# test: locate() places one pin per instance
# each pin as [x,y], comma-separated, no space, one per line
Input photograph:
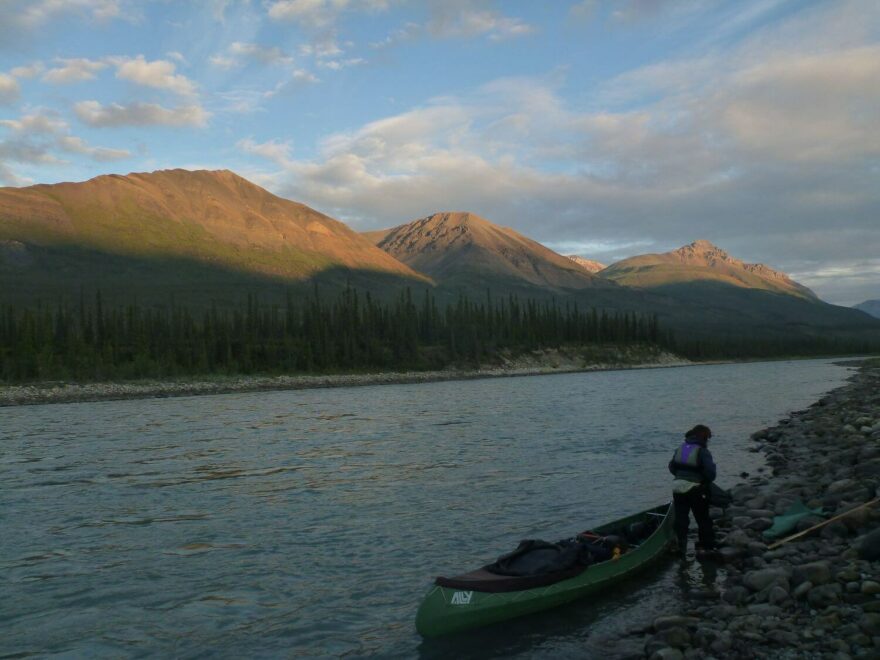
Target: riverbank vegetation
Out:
[354,332]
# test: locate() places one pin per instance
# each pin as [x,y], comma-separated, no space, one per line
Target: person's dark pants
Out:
[696,500]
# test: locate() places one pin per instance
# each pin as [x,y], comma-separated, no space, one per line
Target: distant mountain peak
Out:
[464,247]
[214,217]
[702,260]
[590,265]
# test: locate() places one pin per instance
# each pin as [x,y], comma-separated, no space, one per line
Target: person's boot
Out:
[707,554]
[678,548]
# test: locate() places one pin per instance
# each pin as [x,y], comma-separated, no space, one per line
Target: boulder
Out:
[817,572]
[869,547]
[664,622]
[762,578]
[821,597]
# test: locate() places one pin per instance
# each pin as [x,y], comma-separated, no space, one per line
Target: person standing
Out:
[694,471]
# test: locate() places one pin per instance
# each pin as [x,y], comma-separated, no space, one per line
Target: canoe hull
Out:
[446,610]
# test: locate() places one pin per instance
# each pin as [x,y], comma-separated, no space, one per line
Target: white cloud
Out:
[37,12]
[460,19]
[9,89]
[73,70]
[273,150]
[264,54]
[28,71]
[159,74]
[223,62]
[467,18]
[9,178]
[39,138]
[320,13]
[73,144]
[239,51]
[336,65]
[139,114]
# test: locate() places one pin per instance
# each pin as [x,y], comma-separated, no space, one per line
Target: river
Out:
[309,523]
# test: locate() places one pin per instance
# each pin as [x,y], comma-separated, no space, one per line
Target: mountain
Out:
[178,229]
[701,261]
[463,250]
[587,264]
[871,307]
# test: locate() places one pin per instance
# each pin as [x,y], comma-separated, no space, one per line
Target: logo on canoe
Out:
[462,597]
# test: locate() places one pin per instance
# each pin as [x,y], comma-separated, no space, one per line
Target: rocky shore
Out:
[817,596]
[535,363]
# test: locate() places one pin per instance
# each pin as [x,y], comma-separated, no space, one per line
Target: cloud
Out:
[456,19]
[34,13]
[769,139]
[73,70]
[28,71]
[39,138]
[320,13]
[159,74]
[139,114]
[460,19]
[9,89]
[240,51]
[273,150]
[9,178]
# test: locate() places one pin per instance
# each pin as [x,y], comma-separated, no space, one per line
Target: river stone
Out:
[764,609]
[802,589]
[777,595]
[762,578]
[729,553]
[825,595]
[870,623]
[664,622]
[667,653]
[739,538]
[722,645]
[817,572]
[677,637]
[760,524]
[869,548]
[782,637]
[870,587]
[735,595]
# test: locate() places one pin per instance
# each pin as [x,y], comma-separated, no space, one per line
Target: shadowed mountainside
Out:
[460,249]
[701,261]
[871,307]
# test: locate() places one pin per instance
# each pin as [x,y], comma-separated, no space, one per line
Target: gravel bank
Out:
[537,363]
[814,597]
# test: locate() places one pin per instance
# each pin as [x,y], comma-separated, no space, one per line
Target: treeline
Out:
[353,332]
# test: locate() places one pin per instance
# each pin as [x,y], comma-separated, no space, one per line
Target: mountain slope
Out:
[701,261]
[589,265]
[463,249]
[211,224]
[871,307]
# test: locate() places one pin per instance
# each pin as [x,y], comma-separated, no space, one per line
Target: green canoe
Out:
[449,609]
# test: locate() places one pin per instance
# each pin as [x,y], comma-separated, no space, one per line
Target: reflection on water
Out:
[310,523]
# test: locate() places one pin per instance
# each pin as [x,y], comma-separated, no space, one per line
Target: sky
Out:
[599,128]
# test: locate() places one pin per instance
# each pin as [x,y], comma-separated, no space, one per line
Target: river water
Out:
[309,523]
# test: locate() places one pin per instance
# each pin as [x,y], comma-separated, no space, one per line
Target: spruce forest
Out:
[88,342]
